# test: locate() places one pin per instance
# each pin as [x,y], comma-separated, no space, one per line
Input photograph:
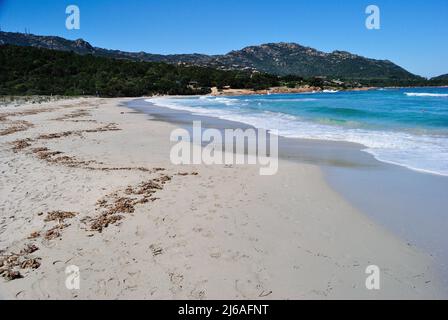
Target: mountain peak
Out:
[443,77]
[286,45]
[81,43]
[281,58]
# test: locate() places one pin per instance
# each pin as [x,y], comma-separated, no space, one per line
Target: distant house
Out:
[338,82]
[193,85]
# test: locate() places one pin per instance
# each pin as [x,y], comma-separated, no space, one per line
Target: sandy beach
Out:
[88,182]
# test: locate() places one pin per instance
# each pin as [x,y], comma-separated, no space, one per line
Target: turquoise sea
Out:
[407,127]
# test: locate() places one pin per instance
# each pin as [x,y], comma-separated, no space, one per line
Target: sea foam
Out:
[415,149]
[425,94]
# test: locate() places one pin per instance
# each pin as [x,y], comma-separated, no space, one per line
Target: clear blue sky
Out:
[413,33]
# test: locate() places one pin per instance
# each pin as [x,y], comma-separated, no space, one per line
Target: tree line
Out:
[36,71]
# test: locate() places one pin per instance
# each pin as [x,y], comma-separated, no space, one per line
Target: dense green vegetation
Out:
[33,71]
[274,58]
[441,80]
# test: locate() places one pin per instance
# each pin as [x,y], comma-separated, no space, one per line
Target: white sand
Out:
[226,233]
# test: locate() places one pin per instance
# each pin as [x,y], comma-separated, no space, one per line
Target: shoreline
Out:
[209,232]
[280,90]
[305,89]
[359,145]
[398,207]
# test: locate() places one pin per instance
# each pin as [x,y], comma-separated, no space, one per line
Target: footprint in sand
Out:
[176,280]
[215,253]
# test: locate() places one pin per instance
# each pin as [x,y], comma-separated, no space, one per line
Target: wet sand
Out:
[410,204]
